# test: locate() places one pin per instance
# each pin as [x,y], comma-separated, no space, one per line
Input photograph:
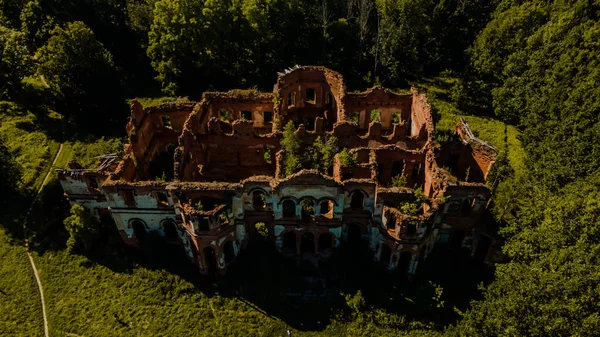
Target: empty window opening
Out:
[93,182]
[289,242]
[467,206]
[139,229]
[203,224]
[166,120]
[386,254]
[224,115]
[228,251]
[259,200]
[325,242]
[170,229]
[246,115]
[210,260]
[289,99]
[307,244]
[404,264]
[308,209]
[311,95]
[358,201]
[328,99]
[268,116]
[289,208]
[397,168]
[411,229]
[162,198]
[416,174]
[325,207]
[128,197]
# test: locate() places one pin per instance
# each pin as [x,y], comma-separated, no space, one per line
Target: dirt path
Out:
[35,271]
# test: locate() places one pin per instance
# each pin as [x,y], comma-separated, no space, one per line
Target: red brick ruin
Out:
[209,175]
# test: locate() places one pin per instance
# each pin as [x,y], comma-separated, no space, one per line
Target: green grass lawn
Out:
[20,305]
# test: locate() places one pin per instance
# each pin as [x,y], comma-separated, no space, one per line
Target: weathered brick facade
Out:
[213,153]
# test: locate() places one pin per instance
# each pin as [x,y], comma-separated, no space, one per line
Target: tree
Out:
[82,228]
[291,144]
[15,62]
[82,76]
[10,179]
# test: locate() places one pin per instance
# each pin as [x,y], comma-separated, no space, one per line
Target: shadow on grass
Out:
[304,296]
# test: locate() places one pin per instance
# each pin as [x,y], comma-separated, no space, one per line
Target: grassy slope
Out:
[33,148]
[502,136]
[20,306]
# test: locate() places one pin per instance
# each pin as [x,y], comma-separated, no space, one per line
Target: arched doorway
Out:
[289,243]
[354,233]
[228,251]
[404,262]
[210,260]
[139,229]
[386,254]
[358,201]
[170,230]
[325,242]
[307,244]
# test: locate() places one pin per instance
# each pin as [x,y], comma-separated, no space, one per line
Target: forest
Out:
[68,67]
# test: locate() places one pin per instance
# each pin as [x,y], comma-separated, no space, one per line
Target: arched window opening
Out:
[358,201]
[311,96]
[308,210]
[139,229]
[289,243]
[325,242]
[386,254]
[259,200]
[170,229]
[210,260]
[326,207]
[289,208]
[307,243]
[228,251]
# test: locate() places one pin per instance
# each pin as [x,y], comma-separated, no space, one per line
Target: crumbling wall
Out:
[360,106]
[421,125]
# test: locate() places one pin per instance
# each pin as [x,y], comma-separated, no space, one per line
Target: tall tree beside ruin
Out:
[82,228]
[82,76]
[15,62]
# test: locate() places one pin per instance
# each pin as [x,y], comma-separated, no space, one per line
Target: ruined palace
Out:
[211,176]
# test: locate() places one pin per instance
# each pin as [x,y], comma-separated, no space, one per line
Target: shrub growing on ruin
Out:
[354,118]
[399,181]
[415,206]
[291,144]
[375,115]
[82,228]
[346,159]
[262,229]
[396,118]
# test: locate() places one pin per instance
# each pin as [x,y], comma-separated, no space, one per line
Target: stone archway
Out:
[358,201]
[228,251]
[325,243]
[139,229]
[289,243]
[210,260]
[307,243]
[170,230]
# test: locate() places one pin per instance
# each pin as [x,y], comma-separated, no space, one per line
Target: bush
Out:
[346,158]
